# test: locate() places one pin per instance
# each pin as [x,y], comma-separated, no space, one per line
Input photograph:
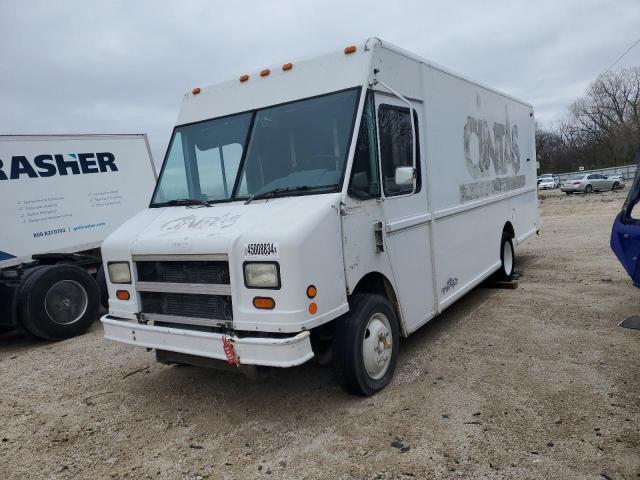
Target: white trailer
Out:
[60,196]
[323,208]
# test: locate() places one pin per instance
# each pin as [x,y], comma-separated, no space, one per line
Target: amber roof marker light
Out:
[350,49]
[196,91]
[265,72]
[287,66]
[244,78]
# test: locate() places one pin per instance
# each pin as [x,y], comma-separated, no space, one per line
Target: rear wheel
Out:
[615,186]
[57,302]
[507,258]
[366,345]
[588,189]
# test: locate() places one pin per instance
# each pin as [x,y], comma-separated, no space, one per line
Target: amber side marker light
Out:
[196,91]
[264,303]
[244,78]
[287,66]
[350,49]
[123,295]
[265,72]
[312,291]
[313,308]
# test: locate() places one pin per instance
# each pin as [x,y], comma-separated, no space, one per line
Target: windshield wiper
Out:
[180,202]
[282,190]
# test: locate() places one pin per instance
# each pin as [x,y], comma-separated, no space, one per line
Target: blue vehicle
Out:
[625,234]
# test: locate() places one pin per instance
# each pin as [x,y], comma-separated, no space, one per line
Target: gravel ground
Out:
[536,382]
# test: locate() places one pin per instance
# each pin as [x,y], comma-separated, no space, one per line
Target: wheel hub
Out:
[377,346]
[66,302]
[507,258]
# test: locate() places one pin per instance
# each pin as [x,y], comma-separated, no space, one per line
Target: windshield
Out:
[296,147]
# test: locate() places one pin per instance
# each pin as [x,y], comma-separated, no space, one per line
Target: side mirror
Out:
[404,176]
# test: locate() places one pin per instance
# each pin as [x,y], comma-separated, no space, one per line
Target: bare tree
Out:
[602,128]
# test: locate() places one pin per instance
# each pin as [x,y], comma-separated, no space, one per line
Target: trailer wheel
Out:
[366,345]
[101,280]
[507,258]
[57,302]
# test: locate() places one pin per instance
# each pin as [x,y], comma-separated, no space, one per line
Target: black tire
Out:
[588,189]
[101,281]
[68,291]
[348,357]
[615,186]
[505,273]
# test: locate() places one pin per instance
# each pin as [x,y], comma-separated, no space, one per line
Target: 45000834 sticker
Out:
[262,249]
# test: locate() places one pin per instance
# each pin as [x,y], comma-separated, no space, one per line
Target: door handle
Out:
[377,236]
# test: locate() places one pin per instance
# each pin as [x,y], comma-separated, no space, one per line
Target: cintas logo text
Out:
[57,164]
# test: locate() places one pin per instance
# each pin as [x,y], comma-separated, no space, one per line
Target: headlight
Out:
[262,275]
[119,272]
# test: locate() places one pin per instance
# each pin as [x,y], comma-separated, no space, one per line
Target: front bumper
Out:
[270,352]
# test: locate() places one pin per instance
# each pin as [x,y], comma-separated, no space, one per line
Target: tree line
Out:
[601,129]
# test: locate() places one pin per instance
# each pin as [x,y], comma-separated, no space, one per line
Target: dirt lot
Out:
[537,382]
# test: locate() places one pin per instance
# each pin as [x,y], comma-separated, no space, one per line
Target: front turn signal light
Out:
[123,295]
[264,303]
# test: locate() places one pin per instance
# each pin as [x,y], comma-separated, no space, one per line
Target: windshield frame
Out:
[233,197]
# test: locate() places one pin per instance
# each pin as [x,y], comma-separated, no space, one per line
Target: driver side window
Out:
[365,176]
[396,147]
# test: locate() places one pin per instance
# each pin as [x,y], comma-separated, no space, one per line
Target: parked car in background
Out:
[548,181]
[588,183]
[618,181]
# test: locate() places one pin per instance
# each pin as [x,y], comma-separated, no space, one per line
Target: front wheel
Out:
[507,258]
[615,186]
[366,345]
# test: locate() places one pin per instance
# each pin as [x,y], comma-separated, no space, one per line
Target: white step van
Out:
[60,197]
[323,208]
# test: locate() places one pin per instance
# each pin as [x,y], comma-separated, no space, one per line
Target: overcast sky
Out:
[123,66]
